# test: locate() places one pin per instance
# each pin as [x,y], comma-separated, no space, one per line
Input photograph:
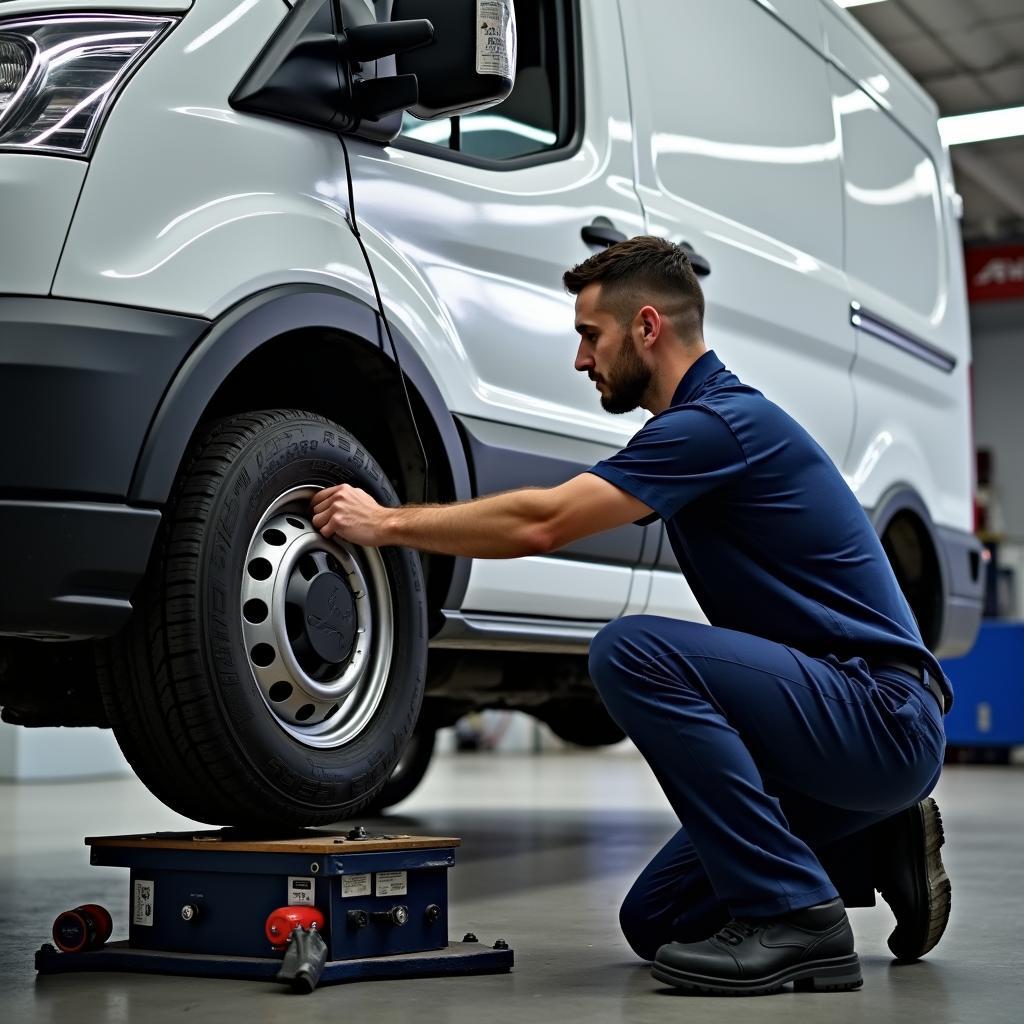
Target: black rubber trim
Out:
[79,383]
[239,333]
[961,554]
[884,330]
[70,567]
[505,457]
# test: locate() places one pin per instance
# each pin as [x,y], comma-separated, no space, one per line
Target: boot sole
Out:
[839,974]
[933,890]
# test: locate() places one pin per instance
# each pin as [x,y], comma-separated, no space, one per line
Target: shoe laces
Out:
[735,932]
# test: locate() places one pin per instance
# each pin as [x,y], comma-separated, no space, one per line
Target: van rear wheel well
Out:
[911,552]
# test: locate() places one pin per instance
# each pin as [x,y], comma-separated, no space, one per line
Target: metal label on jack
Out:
[301,891]
[142,903]
[355,885]
[392,883]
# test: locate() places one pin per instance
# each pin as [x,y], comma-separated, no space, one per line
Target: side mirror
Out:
[332,65]
[471,63]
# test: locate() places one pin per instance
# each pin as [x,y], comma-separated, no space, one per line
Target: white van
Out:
[192,343]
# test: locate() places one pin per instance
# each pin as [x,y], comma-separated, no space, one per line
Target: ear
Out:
[650,323]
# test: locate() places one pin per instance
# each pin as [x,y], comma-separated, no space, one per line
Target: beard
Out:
[628,380]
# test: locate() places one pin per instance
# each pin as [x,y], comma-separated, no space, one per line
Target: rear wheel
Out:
[585,723]
[269,677]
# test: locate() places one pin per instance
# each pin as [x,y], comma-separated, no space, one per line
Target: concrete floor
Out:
[551,845]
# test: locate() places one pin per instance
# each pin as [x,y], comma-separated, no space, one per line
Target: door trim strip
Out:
[879,327]
[514,633]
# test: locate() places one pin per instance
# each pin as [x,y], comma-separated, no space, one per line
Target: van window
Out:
[538,116]
[893,205]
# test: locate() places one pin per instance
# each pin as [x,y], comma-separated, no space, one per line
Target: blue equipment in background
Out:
[988,688]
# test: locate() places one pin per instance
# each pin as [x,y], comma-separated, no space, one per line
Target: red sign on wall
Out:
[994,272]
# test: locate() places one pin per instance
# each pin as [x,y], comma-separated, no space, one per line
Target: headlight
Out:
[58,76]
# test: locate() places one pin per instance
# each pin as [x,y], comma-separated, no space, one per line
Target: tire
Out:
[587,724]
[214,727]
[409,771]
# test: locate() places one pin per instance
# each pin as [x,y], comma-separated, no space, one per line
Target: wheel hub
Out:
[329,614]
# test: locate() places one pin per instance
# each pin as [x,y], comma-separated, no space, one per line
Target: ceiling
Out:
[969,55]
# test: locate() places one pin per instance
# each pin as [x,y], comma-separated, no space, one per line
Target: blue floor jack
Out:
[320,906]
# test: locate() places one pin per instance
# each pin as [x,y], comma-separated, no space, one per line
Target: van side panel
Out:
[904,266]
[750,176]
[912,447]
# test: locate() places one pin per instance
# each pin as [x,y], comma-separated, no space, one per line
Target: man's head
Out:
[640,317]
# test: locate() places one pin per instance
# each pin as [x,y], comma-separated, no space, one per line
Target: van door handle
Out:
[602,232]
[701,265]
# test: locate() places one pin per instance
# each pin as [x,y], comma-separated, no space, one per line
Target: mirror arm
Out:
[371,42]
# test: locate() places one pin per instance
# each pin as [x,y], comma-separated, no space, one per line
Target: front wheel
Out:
[269,676]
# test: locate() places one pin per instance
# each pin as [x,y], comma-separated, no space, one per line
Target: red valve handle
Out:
[283,921]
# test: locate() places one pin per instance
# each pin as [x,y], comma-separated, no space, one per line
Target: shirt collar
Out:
[695,377]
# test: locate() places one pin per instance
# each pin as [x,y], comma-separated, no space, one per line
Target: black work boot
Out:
[812,948]
[909,874]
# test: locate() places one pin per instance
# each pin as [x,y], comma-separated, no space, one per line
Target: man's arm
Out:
[531,521]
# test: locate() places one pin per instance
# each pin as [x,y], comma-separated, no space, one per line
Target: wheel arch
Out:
[904,525]
[314,347]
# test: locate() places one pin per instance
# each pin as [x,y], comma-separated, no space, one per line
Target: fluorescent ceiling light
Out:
[856,3]
[988,124]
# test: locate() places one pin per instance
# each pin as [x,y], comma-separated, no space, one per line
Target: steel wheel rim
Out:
[293,638]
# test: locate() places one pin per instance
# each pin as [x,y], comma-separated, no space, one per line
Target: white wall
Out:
[40,754]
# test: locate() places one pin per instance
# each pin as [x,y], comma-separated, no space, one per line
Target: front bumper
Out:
[70,567]
[80,383]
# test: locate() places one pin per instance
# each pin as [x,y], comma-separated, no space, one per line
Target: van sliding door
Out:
[738,155]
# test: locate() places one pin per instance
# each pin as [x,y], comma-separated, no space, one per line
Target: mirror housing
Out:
[471,63]
[332,65]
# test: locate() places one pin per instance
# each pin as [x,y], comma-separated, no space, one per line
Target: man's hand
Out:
[349,514]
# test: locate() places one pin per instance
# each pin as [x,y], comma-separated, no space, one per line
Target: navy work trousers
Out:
[775,763]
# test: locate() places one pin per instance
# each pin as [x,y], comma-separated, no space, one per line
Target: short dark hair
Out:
[641,271]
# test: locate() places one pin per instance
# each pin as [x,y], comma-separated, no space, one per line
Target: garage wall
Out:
[998,339]
[42,754]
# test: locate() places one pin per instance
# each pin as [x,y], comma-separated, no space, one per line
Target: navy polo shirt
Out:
[765,529]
